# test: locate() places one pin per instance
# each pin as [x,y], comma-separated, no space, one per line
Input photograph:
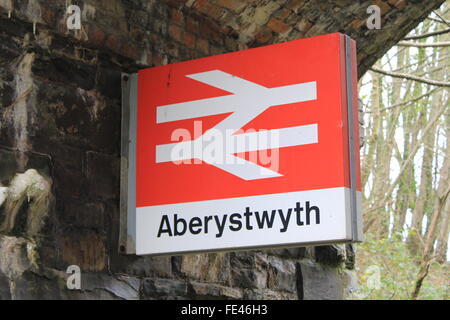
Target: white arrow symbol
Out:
[247,102]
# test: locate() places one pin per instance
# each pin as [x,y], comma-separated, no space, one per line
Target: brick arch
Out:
[261,22]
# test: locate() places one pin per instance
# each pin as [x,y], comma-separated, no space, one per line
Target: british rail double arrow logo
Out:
[247,101]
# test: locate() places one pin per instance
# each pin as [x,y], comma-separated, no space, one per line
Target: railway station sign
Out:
[250,149]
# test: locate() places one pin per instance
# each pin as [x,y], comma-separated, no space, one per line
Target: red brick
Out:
[130,51]
[283,14]
[96,36]
[295,4]
[149,59]
[158,61]
[206,7]
[48,15]
[202,45]
[231,44]
[400,4]
[264,36]
[356,24]
[176,17]
[176,33]
[87,250]
[112,43]
[278,26]
[153,36]
[384,7]
[304,26]
[192,25]
[138,35]
[234,5]
[189,40]
[210,32]
[216,50]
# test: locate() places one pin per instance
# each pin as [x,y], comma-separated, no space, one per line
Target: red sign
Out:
[294,94]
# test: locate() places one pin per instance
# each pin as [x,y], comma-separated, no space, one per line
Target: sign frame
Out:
[127,232]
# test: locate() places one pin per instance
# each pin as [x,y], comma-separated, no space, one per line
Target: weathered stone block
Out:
[103,286]
[248,259]
[350,256]
[102,174]
[17,255]
[84,248]
[203,291]
[9,50]
[9,166]
[31,286]
[267,294]
[213,267]
[60,70]
[14,28]
[249,269]
[249,278]
[332,255]
[321,282]
[164,288]
[109,81]
[159,267]
[5,293]
[75,117]
[293,253]
[83,214]
[282,275]
[26,199]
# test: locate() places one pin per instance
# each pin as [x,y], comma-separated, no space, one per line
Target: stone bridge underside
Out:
[60,106]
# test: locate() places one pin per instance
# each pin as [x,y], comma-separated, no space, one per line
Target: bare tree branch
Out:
[412,77]
[423,45]
[407,161]
[442,19]
[426,35]
[437,20]
[407,102]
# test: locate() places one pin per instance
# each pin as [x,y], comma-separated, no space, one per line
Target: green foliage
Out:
[397,270]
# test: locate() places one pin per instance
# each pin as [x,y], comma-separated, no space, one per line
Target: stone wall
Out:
[60,106]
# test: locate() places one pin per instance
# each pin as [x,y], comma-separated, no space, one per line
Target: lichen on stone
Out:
[32,188]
